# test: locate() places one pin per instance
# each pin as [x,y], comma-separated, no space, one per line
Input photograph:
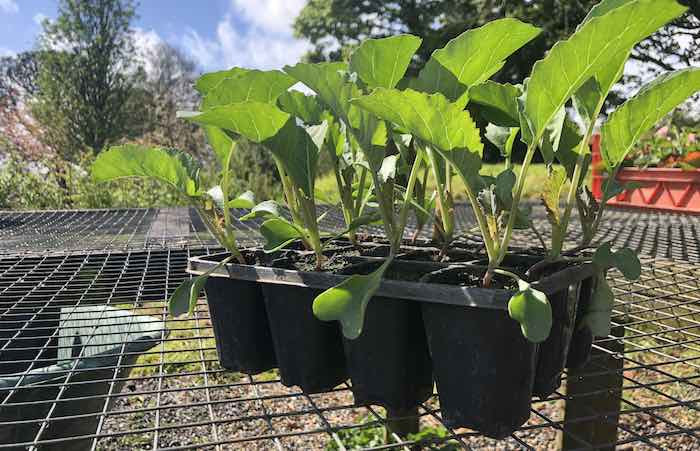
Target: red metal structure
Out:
[669,189]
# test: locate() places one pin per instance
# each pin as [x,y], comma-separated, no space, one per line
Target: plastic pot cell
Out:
[241,330]
[484,368]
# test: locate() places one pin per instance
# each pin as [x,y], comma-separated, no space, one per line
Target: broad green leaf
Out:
[531,309]
[131,160]
[256,121]
[604,7]
[328,81]
[306,108]
[570,63]
[298,148]
[638,114]
[498,103]
[207,81]
[348,301]
[278,233]
[222,144]
[502,137]
[254,86]
[429,117]
[264,209]
[473,57]
[625,260]
[597,316]
[244,200]
[383,62]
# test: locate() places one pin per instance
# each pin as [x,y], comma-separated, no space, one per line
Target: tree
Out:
[167,88]
[87,74]
[334,27]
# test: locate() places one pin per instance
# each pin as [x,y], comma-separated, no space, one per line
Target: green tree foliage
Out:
[87,73]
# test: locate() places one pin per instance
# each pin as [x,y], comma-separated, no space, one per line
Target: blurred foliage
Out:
[58,185]
[669,146]
[86,77]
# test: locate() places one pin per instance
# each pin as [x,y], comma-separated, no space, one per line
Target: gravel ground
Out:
[292,415]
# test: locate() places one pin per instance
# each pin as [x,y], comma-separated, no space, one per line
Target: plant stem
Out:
[360,192]
[289,193]
[214,229]
[446,216]
[514,206]
[601,207]
[403,216]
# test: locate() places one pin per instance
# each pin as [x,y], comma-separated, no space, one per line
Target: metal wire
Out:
[176,396]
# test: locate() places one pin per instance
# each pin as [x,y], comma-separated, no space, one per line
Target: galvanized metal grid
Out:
[177,396]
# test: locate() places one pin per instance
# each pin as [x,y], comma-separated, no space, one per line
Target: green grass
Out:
[327,190]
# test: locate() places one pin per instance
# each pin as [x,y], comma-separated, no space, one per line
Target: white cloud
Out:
[269,15]
[9,6]
[39,18]
[6,52]
[260,38]
[145,45]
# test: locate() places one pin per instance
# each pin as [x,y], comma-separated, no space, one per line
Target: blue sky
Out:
[215,33]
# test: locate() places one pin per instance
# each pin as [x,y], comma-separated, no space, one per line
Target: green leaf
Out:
[221,142]
[531,309]
[207,81]
[501,137]
[625,260]
[565,154]
[279,233]
[348,301]
[298,150]
[570,63]
[551,194]
[383,62]
[328,81]
[184,298]
[388,170]
[586,101]
[264,209]
[498,103]
[306,108]
[550,141]
[131,160]
[431,118]
[253,85]
[244,200]
[256,121]
[473,57]
[638,114]
[597,316]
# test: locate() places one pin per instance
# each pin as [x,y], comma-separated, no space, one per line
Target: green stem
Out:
[289,193]
[514,206]
[446,215]
[222,238]
[601,207]
[403,215]
[360,192]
